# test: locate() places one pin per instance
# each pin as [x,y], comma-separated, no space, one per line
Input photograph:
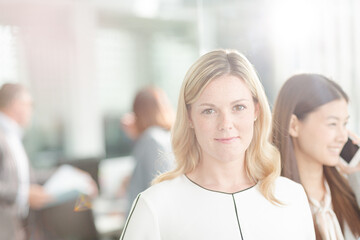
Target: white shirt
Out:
[13,135]
[179,209]
[326,219]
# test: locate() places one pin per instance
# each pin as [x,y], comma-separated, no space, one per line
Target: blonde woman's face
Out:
[223,119]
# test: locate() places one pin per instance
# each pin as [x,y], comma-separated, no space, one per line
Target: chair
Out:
[62,222]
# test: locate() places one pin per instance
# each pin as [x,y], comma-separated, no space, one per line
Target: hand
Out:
[38,197]
[355,139]
[343,167]
[129,126]
[346,169]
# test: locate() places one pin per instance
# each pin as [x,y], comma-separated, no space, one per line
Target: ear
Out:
[294,126]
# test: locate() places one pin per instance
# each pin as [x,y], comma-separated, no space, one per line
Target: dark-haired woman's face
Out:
[322,134]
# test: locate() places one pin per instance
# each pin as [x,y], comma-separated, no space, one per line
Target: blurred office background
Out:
[83,60]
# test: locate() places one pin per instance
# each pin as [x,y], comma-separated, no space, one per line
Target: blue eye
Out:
[208,111]
[239,107]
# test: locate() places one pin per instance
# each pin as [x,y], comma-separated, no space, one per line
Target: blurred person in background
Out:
[309,128]
[18,192]
[226,183]
[149,125]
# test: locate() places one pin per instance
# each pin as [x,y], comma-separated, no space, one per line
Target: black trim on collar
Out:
[219,191]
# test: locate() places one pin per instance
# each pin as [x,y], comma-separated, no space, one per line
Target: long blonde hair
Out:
[262,159]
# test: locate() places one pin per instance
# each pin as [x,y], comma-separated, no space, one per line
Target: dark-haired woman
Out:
[309,128]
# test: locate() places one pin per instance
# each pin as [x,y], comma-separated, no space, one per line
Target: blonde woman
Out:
[226,184]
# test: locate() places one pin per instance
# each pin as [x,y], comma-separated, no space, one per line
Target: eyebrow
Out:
[337,118]
[233,102]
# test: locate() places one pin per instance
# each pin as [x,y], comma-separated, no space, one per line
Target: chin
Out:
[333,162]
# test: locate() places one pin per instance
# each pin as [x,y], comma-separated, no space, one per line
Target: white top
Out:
[179,209]
[326,219]
[13,134]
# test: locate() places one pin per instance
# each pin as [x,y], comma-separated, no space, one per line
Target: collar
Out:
[325,204]
[325,217]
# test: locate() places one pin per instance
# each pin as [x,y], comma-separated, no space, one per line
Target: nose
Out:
[342,134]
[225,122]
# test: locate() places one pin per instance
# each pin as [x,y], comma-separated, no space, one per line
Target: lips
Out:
[227,140]
[335,150]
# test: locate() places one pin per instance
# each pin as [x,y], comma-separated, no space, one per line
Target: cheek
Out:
[319,135]
[203,127]
[313,140]
[245,124]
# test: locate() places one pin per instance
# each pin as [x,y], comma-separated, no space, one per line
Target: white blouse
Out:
[326,219]
[179,209]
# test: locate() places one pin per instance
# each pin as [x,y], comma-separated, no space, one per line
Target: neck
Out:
[225,176]
[311,177]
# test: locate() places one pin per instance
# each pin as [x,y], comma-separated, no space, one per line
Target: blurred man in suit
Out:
[18,193]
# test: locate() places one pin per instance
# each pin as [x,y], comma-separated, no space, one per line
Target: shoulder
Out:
[159,195]
[154,140]
[165,188]
[156,198]
[286,184]
[152,206]
[155,135]
[288,190]
[295,206]
[155,131]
